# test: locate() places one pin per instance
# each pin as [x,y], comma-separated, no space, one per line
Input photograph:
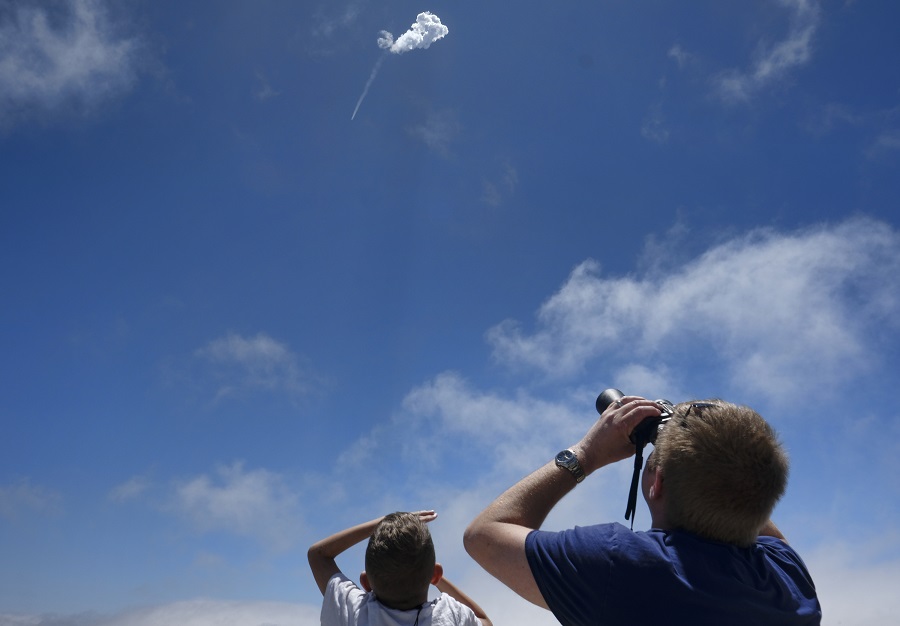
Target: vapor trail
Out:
[368,84]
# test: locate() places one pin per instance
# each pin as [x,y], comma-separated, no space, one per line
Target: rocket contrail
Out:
[426,30]
[368,84]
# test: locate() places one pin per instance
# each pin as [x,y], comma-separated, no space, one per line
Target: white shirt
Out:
[345,604]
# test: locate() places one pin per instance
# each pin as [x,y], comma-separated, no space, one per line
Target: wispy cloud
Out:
[241,364]
[857,583]
[784,311]
[22,497]
[495,190]
[199,612]
[831,116]
[61,57]
[327,26]
[250,503]
[265,91]
[653,127]
[129,490]
[773,62]
[682,57]
[888,141]
[438,131]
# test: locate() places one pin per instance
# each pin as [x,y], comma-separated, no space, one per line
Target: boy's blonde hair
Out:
[723,470]
[400,561]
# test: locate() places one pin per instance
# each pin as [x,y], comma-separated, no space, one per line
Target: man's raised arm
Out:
[496,538]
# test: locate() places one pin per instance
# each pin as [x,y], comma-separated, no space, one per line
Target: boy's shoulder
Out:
[448,611]
[344,600]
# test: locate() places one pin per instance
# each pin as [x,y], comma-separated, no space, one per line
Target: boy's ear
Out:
[438,573]
[364,581]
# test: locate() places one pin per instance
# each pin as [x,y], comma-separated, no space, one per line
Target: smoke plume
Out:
[425,30]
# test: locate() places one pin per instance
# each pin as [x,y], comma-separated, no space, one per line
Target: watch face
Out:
[566,457]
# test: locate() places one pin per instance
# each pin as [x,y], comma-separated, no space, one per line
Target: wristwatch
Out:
[567,460]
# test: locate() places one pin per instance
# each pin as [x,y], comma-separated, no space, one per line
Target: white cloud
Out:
[779,312]
[199,612]
[856,585]
[887,141]
[438,131]
[774,62]
[242,364]
[497,189]
[327,25]
[681,56]
[653,127]
[251,503]
[22,497]
[130,489]
[265,91]
[54,61]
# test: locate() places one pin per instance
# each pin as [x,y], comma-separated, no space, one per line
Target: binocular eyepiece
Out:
[646,431]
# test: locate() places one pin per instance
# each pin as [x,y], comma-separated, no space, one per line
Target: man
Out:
[712,555]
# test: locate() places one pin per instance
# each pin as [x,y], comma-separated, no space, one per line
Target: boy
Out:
[400,566]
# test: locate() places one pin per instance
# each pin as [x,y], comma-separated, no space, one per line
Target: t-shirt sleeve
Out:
[789,562]
[572,569]
[341,601]
[448,611]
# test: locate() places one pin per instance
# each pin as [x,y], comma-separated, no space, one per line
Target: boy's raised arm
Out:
[321,554]
[445,586]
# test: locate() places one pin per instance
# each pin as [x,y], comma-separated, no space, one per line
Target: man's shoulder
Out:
[609,533]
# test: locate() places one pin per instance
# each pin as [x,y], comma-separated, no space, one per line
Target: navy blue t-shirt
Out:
[608,574]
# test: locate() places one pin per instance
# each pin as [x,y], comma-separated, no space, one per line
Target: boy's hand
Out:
[426,516]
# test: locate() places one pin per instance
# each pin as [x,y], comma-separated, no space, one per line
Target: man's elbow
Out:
[473,540]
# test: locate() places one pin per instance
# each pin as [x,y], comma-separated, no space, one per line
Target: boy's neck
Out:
[405,606]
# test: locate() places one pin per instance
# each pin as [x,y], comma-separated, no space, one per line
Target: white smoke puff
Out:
[426,30]
[385,40]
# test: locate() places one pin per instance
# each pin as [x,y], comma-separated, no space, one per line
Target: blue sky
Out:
[235,321]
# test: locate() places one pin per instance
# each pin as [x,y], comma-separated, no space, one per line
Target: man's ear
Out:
[656,488]
[364,581]
[438,573]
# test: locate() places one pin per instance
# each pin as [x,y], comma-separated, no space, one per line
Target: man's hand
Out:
[607,441]
[496,538]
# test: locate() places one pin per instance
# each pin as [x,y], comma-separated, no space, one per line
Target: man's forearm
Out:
[496,538]
[529,501]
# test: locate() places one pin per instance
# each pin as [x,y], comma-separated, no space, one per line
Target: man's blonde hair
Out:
[723,470]
[400,561]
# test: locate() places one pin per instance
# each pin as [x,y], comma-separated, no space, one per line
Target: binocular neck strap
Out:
[635,478]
